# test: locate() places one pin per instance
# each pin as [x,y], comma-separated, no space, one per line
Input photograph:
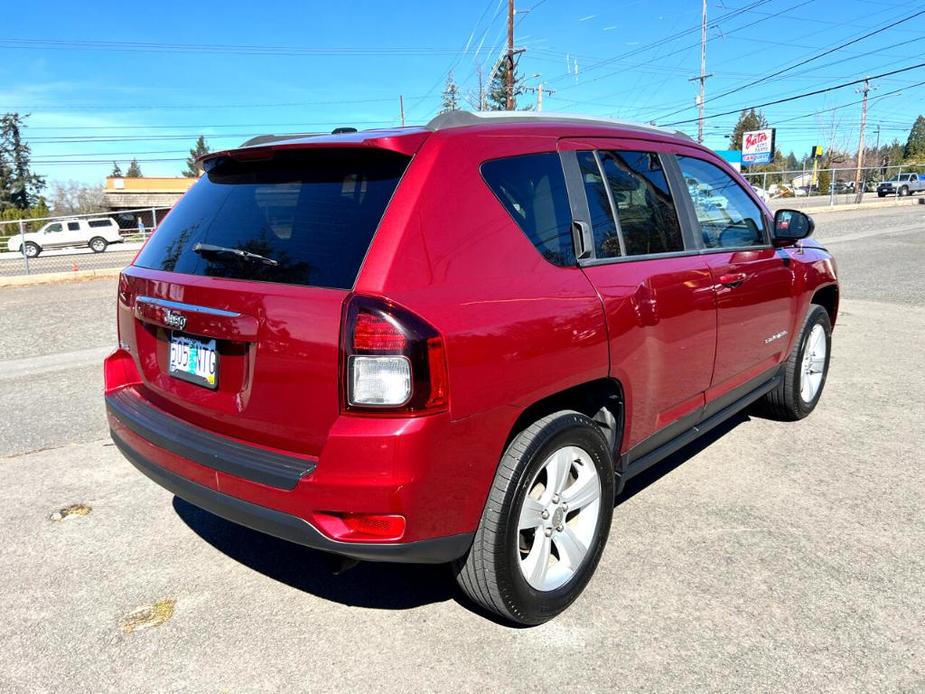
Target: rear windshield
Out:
[301,217]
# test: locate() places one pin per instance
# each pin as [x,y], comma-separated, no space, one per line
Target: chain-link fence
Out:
[837,186]
[70,243]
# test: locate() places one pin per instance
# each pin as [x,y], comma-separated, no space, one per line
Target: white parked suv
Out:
[96,234]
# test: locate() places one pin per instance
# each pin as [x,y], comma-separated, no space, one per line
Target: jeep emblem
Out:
[174,319]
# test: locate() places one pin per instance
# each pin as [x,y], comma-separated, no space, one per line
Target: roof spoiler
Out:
[458,119]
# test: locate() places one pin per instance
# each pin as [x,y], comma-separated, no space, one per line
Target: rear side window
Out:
[532,189]
[96,223]
[73,226]
[300,217]
[727,215]
[603,227]
[645,209]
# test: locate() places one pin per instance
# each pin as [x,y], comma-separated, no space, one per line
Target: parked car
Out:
[456,343]
[841,187]
[902,185]
[95,234]
[762,193]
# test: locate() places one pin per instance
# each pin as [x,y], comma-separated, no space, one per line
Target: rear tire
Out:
[31,250]
[804,372]
[98,244]
[532,556]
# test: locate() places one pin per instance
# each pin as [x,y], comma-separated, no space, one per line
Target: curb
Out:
[59,277]
[813,210]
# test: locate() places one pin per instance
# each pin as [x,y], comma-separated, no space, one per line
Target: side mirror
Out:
[792,225]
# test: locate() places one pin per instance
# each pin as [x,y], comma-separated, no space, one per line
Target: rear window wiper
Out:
[207,248]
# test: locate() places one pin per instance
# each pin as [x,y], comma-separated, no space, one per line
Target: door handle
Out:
[732,279]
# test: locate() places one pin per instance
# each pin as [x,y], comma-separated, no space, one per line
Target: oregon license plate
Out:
[193,360]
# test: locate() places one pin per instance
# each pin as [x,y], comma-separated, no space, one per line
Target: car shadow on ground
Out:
[641,481]
[368,584]
[379,585]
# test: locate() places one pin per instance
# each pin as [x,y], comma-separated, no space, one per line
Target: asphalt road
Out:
[768,557]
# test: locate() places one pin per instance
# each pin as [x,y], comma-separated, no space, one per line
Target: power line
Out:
[664,40]
[800,96]
[802,62]
[157,47]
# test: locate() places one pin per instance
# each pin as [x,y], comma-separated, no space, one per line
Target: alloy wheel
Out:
[558,518]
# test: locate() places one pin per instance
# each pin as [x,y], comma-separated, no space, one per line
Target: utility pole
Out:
[703,71]
[401,105]
[540,90]
[509,105]
[858,187]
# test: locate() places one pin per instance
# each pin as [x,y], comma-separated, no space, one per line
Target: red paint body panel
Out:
[516,329]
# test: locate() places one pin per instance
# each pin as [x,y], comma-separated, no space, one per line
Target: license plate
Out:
[193,360]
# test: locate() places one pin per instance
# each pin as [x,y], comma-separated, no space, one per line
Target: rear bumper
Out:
[283,495]
[292,528]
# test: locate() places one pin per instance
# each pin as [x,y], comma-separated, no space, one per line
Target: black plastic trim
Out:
[288,527]
[636,461]
[217,452]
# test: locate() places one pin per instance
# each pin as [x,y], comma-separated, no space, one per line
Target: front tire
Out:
[545,523]
[804,372]
[31,250]
[98,244]
[903,192]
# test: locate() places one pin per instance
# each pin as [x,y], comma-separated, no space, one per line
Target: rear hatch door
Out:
[233,308]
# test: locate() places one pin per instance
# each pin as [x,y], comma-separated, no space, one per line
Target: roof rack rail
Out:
[268,139]
[459,119]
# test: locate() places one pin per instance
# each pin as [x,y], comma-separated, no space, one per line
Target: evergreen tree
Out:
[748,120]
[134,170]
[915,145]
[791,163]
[19,186]
[497,88]
[116,170]
[450,95]
[201,149]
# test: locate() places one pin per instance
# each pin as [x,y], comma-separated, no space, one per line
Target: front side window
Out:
[532,189]
[727,215]
[53,228]
[645,209]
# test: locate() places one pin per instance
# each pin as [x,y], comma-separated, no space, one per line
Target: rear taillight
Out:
[393,360]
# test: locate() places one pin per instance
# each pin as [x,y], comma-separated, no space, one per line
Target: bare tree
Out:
[73,197]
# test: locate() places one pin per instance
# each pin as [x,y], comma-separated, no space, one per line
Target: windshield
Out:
[312,212]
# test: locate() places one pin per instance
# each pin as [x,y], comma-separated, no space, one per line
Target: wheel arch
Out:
[828,298]
[602,400]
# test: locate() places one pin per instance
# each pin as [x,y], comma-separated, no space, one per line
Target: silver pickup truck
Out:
[902,185]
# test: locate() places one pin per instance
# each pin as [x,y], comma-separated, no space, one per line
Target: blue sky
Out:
[107,80]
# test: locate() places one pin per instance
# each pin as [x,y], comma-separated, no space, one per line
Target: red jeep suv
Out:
[455,343]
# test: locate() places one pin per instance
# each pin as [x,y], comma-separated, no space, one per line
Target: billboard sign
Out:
[758,147]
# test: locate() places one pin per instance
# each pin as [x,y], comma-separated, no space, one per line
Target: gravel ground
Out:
[767,557]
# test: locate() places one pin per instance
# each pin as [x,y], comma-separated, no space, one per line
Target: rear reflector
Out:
[361,527]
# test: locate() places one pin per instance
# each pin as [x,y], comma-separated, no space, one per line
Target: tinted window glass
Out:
[603,227]
[54,227]
[532,190]
[648,220]
[73,226]
[100,223]
[728,217]
[311,213]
